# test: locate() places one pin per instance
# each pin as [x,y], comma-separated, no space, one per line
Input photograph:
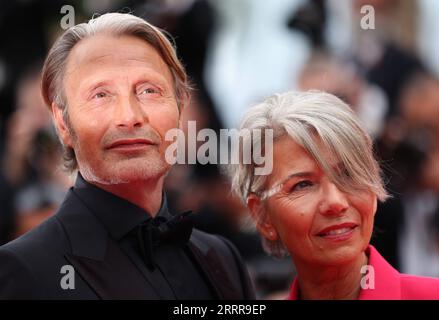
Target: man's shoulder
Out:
[52,235]
[36,254]
[220,249]
[44,244]
[222,258]
[31,265]
[47,235]
[206,241]
[28,261]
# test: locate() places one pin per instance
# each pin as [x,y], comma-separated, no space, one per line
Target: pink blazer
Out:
[389,283]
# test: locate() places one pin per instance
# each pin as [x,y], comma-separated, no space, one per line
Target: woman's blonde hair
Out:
[305,116]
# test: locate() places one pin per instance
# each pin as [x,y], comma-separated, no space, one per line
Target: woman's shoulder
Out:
[390,284]
[417,287]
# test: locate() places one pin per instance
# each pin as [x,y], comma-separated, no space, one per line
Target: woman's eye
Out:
[301,185]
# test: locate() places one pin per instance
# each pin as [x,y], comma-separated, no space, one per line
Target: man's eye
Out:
[148,91]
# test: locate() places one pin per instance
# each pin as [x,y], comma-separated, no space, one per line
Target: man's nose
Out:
[333,200]
[129,113]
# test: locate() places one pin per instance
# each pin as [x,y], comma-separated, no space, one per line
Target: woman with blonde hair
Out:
[319,201]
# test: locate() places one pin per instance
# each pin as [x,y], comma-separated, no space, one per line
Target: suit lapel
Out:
[154,278]
[113,273]
[114,277]
[98,260]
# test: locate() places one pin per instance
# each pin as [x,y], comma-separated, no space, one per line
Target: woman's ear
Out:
[262,218]
[60,125]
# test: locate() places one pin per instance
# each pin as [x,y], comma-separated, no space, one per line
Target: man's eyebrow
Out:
[95,59]
[95,84]
[150,79]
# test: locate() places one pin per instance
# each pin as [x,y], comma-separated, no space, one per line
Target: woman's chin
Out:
[335,256]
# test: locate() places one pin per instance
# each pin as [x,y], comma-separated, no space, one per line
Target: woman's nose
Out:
[333,200]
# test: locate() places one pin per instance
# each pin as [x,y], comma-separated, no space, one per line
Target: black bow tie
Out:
[156,231]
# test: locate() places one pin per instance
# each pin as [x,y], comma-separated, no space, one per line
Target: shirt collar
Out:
[119,216]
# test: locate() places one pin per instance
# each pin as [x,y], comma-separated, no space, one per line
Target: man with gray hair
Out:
[115,86]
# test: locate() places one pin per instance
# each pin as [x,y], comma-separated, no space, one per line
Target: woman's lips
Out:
[338,232]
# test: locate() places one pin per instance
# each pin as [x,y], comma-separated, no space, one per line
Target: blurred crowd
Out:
[237,52]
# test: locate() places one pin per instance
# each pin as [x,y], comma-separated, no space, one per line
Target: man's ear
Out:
[60,125]
[180,122]
[262,218]
[183,105]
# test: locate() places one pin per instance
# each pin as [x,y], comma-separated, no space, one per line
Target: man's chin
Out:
[125,175]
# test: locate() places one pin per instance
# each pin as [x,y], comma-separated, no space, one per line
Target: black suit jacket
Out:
[30,266]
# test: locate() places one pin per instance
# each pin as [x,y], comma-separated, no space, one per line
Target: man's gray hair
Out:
[116,24]
[305,116]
